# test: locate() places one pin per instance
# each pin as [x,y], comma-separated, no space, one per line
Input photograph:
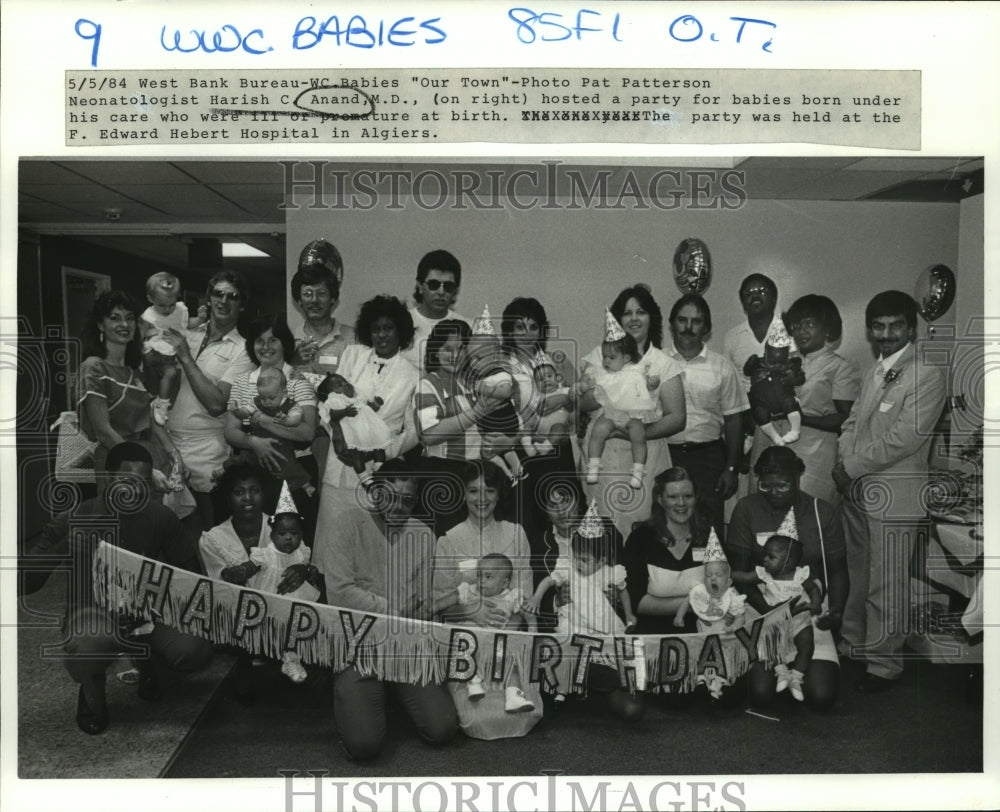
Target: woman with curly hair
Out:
[386,381]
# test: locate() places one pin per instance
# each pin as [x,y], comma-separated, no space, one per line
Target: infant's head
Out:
[615,354]
[781,554]
[286,532]
[271,383]
[163,290]
[590,552]
[546,378]
[718,578]
[494,572]
[334,384]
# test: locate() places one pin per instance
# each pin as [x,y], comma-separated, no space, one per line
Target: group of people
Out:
[532,492]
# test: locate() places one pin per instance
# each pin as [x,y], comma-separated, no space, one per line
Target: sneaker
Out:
[795,684]
[783,676]
[294,670]
[516,701]
[593,466]
[160,408]
[558,701]
[476,691]
[635,481]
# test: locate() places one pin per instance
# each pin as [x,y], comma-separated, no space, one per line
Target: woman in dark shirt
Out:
[664,555]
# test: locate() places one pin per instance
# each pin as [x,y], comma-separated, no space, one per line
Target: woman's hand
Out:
[293,577]
[830,620]
[532,604]
[340,414]
[239,573]
[493,614]
[801,604]
[268,453]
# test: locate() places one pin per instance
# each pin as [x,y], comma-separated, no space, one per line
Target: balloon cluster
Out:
[692,266]
[323,253]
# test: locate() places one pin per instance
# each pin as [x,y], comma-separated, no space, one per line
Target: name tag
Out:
[698,554]
[329,360]
[885,406]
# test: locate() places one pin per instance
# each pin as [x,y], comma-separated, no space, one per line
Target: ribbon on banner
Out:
[402,649]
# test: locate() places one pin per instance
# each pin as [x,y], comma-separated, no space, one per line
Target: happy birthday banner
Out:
[417,651]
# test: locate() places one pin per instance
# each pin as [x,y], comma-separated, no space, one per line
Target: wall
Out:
[575,262]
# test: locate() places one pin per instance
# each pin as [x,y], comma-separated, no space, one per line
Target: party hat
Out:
[612,329]
[483,325]
[777,337]
[788,527]
[714,552]
[591,527]
[542,359]
[285,502]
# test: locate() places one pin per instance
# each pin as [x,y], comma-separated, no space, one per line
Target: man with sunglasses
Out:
[439,276]
[211,357]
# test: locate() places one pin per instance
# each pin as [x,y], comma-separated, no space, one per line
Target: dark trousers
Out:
[704,463]
[94,643]
[359,708]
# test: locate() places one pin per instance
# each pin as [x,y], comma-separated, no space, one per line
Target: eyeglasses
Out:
[225,295]
[754,289]
[776,487]
[434,284]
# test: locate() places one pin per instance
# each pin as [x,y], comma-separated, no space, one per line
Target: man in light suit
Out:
[883,457]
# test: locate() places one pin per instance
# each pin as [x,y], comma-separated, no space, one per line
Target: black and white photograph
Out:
[698,275]
[430,406]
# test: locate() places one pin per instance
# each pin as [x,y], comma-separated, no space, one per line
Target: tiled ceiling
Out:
[163,203]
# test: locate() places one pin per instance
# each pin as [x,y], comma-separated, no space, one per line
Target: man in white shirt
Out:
[211,357]
[884,451]
[439,276]
[709,446]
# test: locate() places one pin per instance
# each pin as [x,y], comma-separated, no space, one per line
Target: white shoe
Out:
[593,466]
[795,684]
[160,408]
[784,677]
[635,481]
[294,671]
[516,701]
[476,691]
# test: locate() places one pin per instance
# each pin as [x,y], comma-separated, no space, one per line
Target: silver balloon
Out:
[692,266]
[935,292]
[323,253]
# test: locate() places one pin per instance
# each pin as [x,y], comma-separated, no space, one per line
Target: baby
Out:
[490,378]
[715,601]
[773,379]
[592,577]
[781,579]
[494,573]
[267,565]
[626,397]
[548,429]
[272,399]
[164,313]
[357,433]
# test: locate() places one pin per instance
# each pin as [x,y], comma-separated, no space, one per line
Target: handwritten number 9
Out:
[94,33]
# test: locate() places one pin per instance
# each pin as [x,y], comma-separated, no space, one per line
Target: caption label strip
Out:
[844,107]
